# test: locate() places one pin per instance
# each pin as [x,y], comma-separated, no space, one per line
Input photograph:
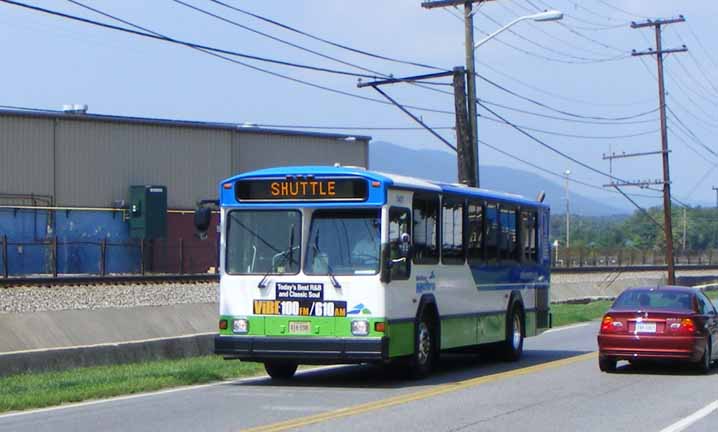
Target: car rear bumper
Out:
[307,350]
[633,347]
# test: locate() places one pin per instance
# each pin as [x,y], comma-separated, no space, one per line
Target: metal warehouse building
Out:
[63,175]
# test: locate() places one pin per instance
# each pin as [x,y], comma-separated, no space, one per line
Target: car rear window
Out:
[654,299]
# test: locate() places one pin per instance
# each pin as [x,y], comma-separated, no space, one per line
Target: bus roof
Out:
[388,179]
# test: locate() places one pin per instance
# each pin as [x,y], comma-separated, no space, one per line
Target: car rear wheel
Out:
[280,370]
[705,364]
[606,364]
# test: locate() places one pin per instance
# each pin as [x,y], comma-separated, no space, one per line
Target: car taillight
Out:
[609,324]
[606,323]
[688,326]
[681,325]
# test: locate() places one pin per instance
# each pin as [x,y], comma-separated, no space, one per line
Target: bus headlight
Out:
[240,326]
[360,328]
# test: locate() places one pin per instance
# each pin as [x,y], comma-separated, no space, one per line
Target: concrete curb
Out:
[106,354]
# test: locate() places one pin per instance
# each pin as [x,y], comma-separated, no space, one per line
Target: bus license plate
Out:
[645,327]
[299,327]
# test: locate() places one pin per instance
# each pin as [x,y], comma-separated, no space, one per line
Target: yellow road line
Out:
[424,394]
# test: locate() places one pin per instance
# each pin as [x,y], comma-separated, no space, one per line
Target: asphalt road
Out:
[556,387]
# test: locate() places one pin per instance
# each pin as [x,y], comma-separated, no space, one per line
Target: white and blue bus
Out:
[323,265]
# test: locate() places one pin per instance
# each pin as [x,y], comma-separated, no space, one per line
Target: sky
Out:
[572,85]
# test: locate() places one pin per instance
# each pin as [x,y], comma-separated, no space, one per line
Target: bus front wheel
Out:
[280,370]
[422,361]
[513,346]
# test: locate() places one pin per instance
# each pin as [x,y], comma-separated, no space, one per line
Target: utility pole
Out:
[659,52]
[716,189]
[471,178]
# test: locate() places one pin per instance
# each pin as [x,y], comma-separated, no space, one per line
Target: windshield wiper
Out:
[287,253]
[330,272]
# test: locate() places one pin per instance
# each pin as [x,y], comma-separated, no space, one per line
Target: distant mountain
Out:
[441,166]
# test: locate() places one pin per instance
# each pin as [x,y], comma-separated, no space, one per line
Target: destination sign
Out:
[309,189]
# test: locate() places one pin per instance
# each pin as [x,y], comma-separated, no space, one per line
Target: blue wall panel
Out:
[79,234]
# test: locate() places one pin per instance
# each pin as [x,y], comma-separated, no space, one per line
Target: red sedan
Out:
[669,322]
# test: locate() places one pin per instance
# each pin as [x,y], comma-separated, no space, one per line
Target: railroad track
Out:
[633,268]
[107,280]
[194,278]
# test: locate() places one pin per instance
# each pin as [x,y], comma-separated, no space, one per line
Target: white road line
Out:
[568,327]
[105,344]
[156,393]
[685,422]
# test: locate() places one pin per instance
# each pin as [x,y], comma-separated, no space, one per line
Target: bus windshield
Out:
[344,243]
[263,242]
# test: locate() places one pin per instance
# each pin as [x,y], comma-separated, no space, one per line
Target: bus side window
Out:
[508,238]
[399,226]
[426,233]
[492,233]
[528,236]
[452,233]
[475,232]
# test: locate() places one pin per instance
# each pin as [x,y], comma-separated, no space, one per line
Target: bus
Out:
[332,265]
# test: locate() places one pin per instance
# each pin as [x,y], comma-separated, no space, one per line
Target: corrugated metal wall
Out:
[263,151]
[96,161]
[26,155]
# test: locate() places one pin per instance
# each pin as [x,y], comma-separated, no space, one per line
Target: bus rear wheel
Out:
[280,370]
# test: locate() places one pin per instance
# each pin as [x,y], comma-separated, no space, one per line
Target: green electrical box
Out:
[148,212]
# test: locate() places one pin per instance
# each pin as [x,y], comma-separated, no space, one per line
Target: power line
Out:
[537,55]
[582,36]
[326,41]
[593,137]
[274,38]
[548,34]
[212,52]
[542,169]
[566,113]
[549,49]
[185,43]
[556,95]
[631,14]
[594,26]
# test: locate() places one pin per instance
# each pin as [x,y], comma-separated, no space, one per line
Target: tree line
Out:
[697,225]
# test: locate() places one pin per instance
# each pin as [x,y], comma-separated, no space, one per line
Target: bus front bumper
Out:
[307,350]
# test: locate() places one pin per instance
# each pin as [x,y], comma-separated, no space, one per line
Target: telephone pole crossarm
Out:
[628,155]
[405,79]
[445,3]
[641,184]
[657,22]
[654,52]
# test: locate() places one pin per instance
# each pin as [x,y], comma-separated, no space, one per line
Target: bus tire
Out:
[513,345]
[280,370]
[422,361]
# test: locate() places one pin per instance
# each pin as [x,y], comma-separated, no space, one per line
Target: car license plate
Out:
[300,327]
[645,327]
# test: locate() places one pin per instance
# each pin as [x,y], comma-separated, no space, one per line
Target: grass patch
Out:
[37,390]
[565,314]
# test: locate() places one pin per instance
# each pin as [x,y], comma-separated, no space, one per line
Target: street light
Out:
[568,212]
[551,15]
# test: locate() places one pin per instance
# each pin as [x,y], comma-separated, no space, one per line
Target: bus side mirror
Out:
[202,219]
